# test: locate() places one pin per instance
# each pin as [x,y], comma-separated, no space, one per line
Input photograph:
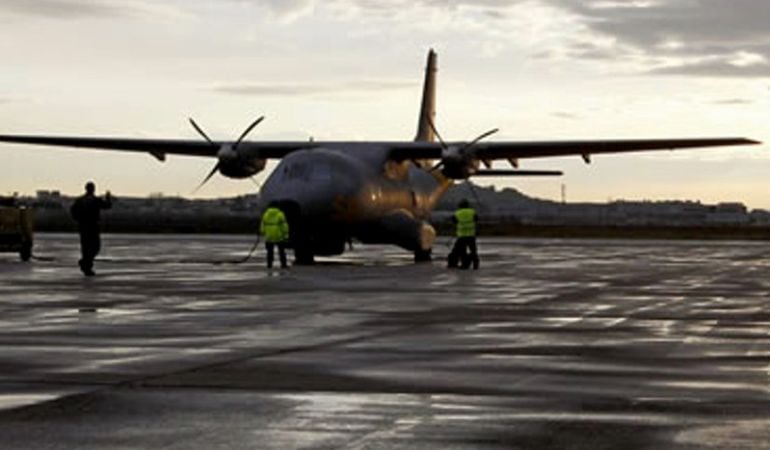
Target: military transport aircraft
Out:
[375,192]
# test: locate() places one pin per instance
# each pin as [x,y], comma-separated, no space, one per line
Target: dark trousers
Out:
[281,253]
[464,252]
[90,244]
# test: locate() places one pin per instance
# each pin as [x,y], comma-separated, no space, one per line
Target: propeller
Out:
[208,177]
[224,151]
[201,132]
[464,151]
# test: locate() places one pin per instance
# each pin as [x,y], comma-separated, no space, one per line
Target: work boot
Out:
[451,261]
[86,268]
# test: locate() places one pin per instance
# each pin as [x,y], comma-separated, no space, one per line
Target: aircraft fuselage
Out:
[332,195]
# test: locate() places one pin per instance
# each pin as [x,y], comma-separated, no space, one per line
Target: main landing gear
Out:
[423,256]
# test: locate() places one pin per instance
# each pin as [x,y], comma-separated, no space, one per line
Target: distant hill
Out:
[511,206]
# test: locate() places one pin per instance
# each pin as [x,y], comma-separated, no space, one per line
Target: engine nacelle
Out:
[241,168]
[400,228]
[458,165]
[233,164]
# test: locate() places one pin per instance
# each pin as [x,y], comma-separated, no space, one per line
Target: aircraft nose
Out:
[311,182]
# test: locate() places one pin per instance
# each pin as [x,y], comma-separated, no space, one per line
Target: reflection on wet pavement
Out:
[553,344]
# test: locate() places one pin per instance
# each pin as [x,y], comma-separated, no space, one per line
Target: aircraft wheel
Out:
[26,252]
[421,256]
[303,257]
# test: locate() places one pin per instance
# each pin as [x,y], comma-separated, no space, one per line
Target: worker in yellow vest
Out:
[464,250]
[275,229]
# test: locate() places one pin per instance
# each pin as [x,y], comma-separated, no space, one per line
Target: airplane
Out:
[377,192]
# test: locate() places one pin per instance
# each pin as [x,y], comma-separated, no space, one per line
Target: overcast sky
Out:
[351,69]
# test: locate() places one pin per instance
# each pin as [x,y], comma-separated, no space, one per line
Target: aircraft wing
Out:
[397,150]
[158,147]
[541,149]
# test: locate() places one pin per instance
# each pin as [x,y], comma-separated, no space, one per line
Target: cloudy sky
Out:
[351,69]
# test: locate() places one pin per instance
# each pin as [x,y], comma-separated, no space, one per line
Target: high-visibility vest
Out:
[274,227]
[466,222]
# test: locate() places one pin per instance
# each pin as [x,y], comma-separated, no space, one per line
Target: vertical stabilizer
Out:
[428,108]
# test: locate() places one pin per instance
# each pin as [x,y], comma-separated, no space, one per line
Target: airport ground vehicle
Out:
[16,225]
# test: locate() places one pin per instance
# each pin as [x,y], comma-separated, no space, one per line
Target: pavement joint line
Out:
[140,382]
[267,354]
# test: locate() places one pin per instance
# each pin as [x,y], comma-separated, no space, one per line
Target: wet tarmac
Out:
[552,344]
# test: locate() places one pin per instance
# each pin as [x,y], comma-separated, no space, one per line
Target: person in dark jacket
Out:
[86,211]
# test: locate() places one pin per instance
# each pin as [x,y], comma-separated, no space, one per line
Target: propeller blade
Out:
[201,132]
[208,177]
[482,136]
[247,131]
[435,131]
[438,166]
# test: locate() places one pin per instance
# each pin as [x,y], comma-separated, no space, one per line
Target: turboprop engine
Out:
[235,165]
[402,229]
[230,162]
[459,162]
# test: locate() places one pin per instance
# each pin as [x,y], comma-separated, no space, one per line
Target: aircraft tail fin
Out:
[428,108]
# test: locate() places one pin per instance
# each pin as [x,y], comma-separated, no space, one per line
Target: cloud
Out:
[286,10]
[75,9]
[662,37]
[715,68]
[565,115]
[297,89]
[733,101]
[290,10]
[678,31]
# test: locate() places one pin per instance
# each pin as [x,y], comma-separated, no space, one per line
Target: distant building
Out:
[507,206]
[760,217]
[512,206]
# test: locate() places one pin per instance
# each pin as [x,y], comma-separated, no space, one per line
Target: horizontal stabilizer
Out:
[518,173]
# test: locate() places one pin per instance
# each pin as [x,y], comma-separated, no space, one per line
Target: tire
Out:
[303,256]
[26,251]
[423,256]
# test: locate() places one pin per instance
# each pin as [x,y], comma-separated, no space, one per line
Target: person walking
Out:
[275,229]
[86,211]
[464,250]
